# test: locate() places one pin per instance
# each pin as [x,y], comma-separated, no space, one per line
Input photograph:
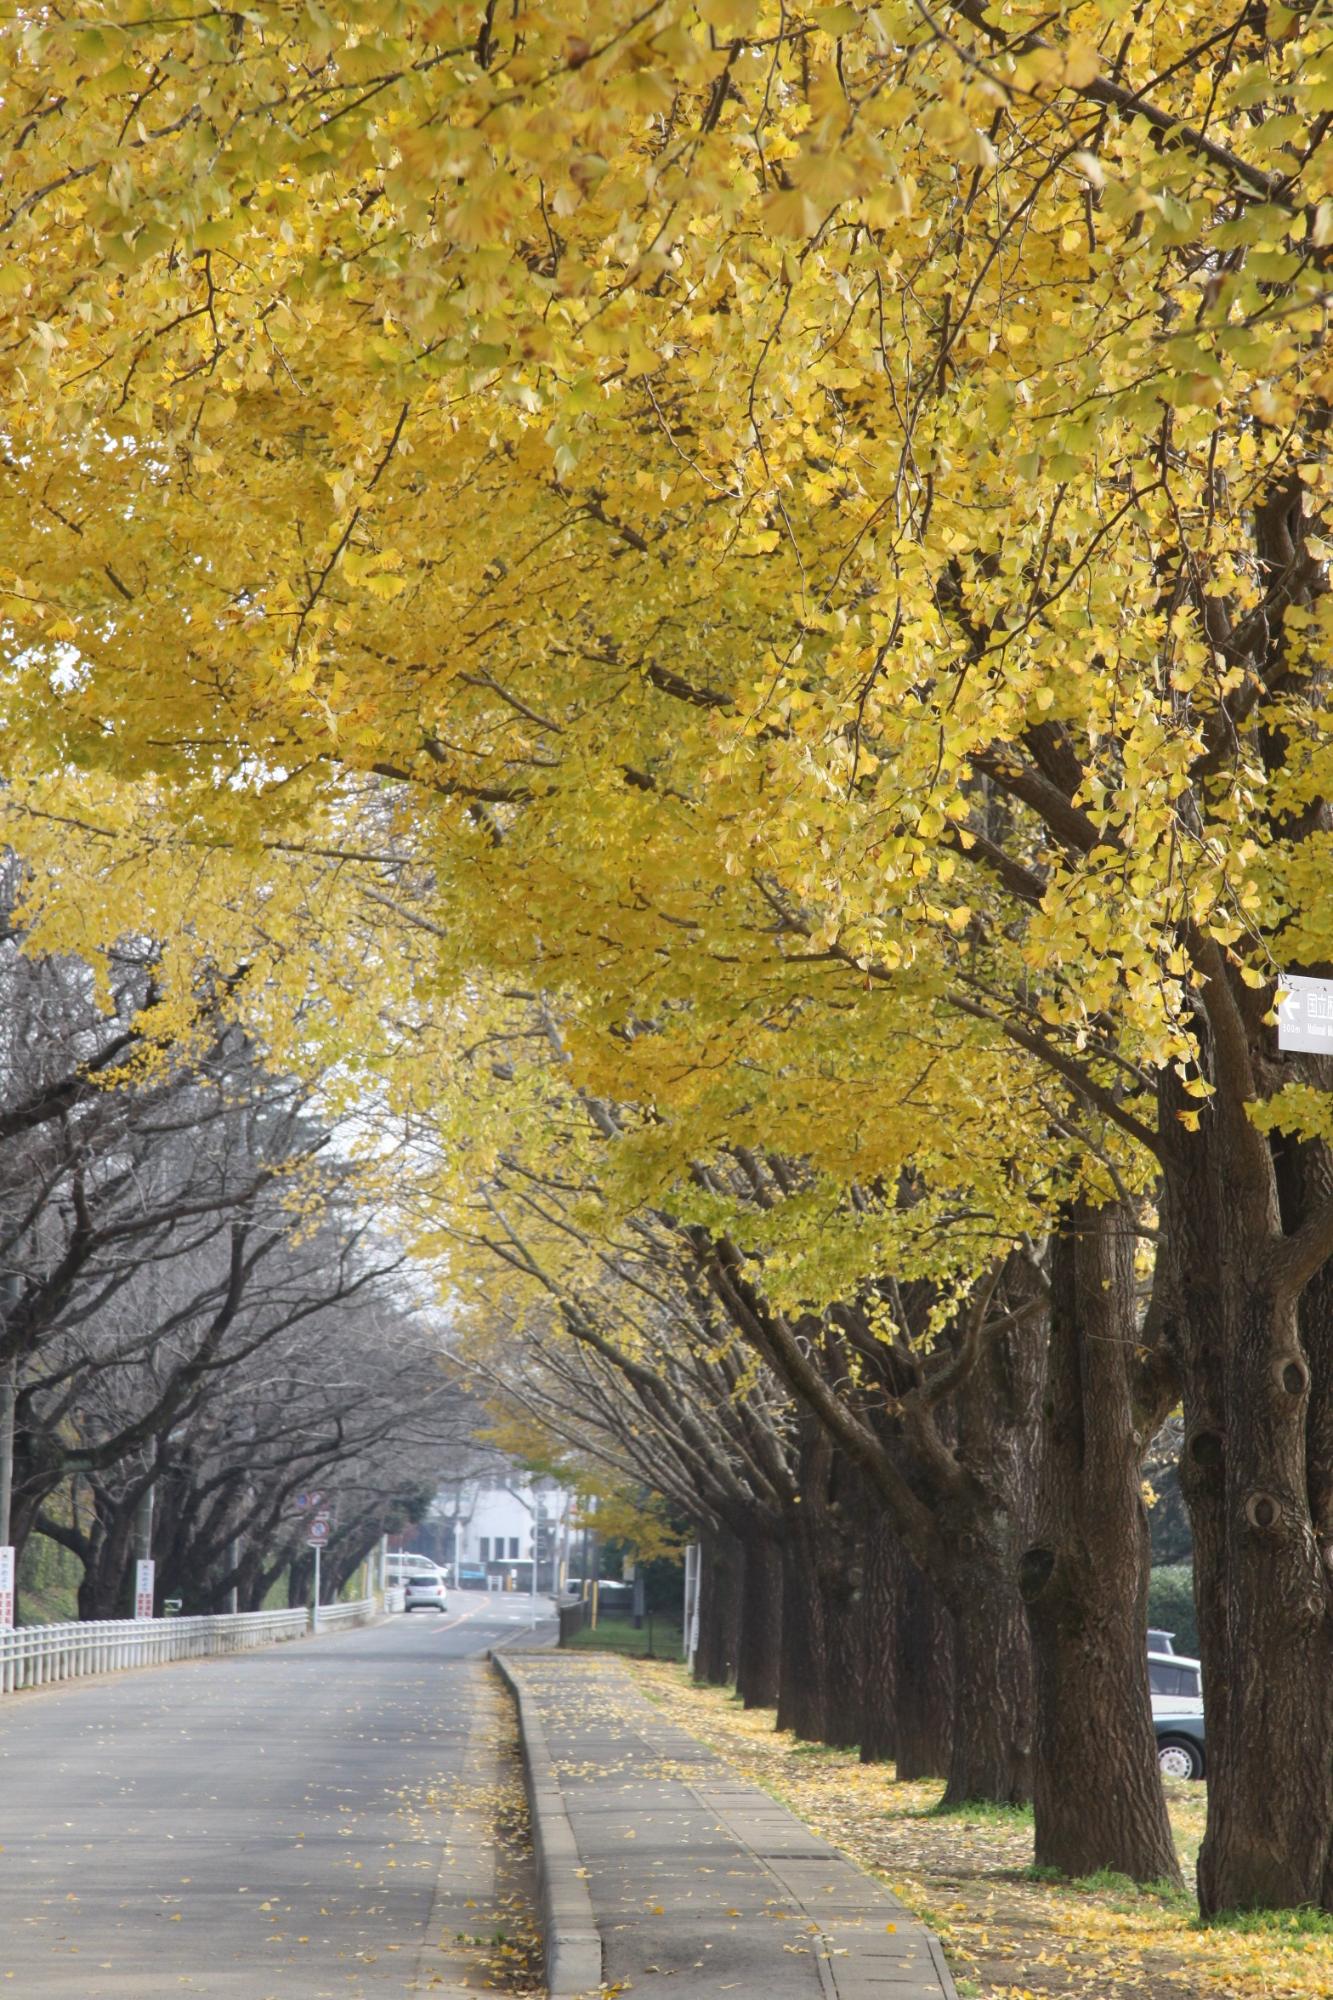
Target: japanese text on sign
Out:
[1305,1014]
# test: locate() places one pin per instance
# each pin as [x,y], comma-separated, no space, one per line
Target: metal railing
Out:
[38,1655]
[575,1613]
[337,1617]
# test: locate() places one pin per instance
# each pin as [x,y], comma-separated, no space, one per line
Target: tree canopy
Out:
[781,550]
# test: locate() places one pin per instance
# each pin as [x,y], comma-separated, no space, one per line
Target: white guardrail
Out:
[37,1655]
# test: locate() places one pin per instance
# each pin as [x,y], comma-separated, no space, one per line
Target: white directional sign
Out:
[1305,1014]
[6,1589]
[144,1573]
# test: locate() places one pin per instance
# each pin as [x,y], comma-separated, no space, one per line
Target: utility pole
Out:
[560,1582]
[143,1525]
[8,1399]
[9,1297]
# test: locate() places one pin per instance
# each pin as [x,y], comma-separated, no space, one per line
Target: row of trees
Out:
[201,1307]
[787,548]
[924,1501]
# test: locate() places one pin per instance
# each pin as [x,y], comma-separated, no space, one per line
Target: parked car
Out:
[424,1590]
[1180,1751]
[1173,1677]
[471,1576]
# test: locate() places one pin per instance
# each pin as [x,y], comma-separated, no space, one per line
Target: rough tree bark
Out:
[876,1630]
[1085,1576]
[1257,1474]
[961,1506]
[991,1752]
[803,1667]
[841,1525]
[983,1521]
[107,1581]
[760,1646]
[735,1587]
[923,1675]
[718,1584]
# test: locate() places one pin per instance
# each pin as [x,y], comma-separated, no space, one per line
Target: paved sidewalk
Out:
[539,1638]
[698,1878]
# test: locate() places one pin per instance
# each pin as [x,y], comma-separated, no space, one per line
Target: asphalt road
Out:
[309,1820]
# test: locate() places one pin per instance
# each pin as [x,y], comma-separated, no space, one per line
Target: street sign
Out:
[1305,1014]
[307,1503]
[144,1573]
[317,1531]
[6,1590]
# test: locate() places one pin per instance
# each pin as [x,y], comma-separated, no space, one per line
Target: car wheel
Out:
[1177,1757]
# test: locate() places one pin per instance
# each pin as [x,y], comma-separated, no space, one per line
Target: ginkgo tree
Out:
[909,1343]
[870,459]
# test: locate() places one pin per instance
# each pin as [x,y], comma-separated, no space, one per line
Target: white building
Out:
[508,1527]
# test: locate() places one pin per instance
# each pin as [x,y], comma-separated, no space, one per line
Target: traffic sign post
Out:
[316,1534]
[6,1589]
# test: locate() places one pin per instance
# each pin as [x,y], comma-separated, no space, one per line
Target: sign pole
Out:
[144,1587]
[9,1383]
[8,1400]
[314,1609]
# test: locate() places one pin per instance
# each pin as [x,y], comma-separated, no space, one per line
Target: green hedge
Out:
[1171,1605]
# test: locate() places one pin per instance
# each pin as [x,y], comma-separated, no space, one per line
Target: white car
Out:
[399,1564]
[1175,1683]
[424,1590]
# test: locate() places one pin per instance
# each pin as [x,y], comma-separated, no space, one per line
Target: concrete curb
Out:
[571,1941]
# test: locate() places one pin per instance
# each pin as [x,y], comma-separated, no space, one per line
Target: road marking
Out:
[460,1619]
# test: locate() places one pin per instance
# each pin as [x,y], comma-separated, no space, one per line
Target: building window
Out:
[485,1548]
[513,1547]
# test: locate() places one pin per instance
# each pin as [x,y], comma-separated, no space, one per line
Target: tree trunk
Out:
[759,1653]
[984,1524]
[922,1676]
[991,1752]
[1255,1471]
[731,1620]
[877,1626]
[839,1582]
[804,1662]
[106,1585]
[1085,1578]
[718,1584]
